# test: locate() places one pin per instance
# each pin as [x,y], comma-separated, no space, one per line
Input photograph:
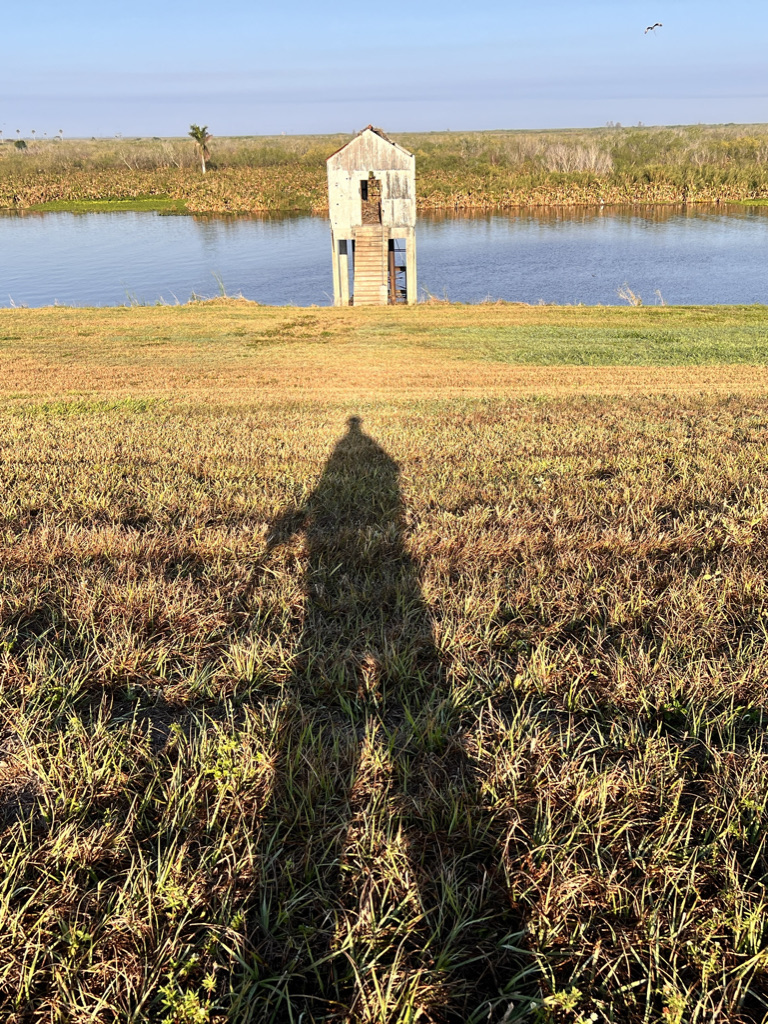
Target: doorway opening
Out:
[397,276]
[370,197]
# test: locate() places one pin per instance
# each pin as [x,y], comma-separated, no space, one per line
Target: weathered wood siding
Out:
[389,172]
[390,163]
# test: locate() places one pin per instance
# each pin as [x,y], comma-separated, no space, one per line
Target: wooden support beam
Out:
[343,258]
[411,284]
[336,275]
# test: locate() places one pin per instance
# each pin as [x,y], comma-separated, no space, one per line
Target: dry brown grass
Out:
[457,714]
[249,352]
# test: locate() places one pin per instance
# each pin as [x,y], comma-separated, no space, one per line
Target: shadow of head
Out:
[358,492]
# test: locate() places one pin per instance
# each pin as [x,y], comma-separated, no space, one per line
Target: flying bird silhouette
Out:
[652,28]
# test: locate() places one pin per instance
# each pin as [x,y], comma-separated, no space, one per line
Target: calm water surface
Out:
[686,255]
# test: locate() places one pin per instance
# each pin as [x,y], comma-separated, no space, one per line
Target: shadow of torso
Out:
[382,850]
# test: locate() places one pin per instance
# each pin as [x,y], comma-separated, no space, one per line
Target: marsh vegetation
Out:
[464,170]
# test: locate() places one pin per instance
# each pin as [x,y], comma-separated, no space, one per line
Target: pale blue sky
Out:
[150,68]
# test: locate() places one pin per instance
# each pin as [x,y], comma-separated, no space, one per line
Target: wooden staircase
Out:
[371,266]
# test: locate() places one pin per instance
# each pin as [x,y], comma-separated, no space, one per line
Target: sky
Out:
[248,67]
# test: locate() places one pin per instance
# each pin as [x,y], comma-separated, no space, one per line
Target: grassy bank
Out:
[141,204]
[383,665]
[249,352]
[455,170]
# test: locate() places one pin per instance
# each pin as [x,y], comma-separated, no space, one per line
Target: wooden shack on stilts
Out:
[372,202]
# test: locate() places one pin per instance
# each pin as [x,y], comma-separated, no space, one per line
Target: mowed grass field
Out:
[392,665]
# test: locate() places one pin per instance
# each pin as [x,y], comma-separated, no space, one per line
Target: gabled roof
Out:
[375,131]
[379,131]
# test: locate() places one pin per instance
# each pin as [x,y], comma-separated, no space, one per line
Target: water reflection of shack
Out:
[372,203]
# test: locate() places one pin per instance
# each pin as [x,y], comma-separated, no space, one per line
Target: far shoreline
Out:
[168,206]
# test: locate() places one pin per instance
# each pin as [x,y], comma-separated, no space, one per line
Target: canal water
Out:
[694,254]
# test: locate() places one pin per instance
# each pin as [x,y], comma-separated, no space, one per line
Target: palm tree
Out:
[202,138]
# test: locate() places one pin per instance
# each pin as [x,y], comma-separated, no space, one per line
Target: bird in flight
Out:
[652,28]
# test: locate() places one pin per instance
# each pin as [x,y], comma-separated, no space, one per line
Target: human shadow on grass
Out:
[383,865]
